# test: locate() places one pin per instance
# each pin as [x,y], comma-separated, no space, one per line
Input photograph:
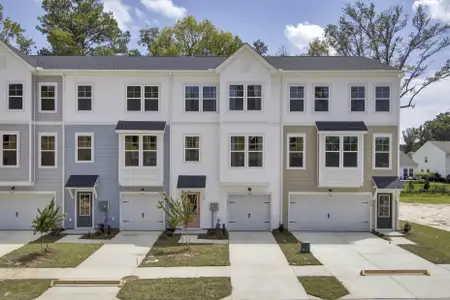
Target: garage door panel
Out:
[249,212]
[325,213]
[19,210]
[141,213]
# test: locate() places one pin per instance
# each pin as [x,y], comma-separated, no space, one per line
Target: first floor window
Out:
[47,95]
[48,151]
[150,150]
[382,98]
[237,151]
[350,151]
[134,98]
[84,94]
[296,151]
[192,98]
[9,150]
[15,96]
[132,150]
[297,98]
[321,98]
[332,151]
[84,148]
[408,173]
[382,152]
[357,98]
[192,148]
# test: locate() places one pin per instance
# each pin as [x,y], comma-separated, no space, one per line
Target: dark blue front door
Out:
[384,211]
[84,209]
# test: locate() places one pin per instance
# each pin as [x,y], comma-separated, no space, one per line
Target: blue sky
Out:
[292,23]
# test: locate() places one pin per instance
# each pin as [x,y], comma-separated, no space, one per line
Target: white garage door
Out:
[249,212]
[140,212]
[17,211]
[325,213]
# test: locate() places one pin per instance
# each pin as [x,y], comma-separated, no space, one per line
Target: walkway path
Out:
[259,269]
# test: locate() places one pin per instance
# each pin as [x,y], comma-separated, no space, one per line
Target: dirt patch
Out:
[435,215]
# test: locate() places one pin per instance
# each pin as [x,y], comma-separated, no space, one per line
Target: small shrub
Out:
[410,187]
[407,228]
[426,185]
[281,228]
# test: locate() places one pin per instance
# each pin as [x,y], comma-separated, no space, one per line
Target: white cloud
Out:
[120,11]
[139,13]
[437,9]
[166,8]
[302,34]
[151,23]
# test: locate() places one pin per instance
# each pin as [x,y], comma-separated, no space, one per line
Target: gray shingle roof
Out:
[141,125]
[341,126]
[406,160]
[443,145]
[81,181]
[191,181]
[387,182]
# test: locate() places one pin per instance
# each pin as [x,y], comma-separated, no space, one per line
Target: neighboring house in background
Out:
[408,167]
[433,156]
[311,142]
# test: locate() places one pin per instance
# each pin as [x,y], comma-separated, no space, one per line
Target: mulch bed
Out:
[95,236]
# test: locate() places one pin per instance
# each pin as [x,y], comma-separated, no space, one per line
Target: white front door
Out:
[322,212]
[249,212]
[140,212]
[17,211]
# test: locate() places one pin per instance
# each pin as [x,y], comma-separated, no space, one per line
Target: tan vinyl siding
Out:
[305,180]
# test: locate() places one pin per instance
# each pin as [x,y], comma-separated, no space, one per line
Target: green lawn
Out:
[290,247]
[419,186]
[167,252]
[325,287]
[57,256]
[432,244]
[177,289]
[20,289]
[425,198]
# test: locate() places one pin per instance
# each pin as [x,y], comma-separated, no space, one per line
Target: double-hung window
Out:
[192,148]
[246,151]
[47,96]
[192,98]
[200,98]
[382,152]
[296,151]
[84,97]
[10,150]
[382,98]
[209,98]
[321,98]
[141,151]
[358,98]
[47,150]
[245,97]
[85,147]
[408,173]
[15,96]
[296,98]
[341,151]
[142,98]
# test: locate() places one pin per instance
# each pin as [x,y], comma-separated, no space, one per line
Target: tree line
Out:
[391,36]
[437,129]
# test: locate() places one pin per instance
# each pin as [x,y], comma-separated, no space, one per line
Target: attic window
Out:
[426,159]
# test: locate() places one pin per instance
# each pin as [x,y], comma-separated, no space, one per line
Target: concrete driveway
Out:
[11,240]
[346,254]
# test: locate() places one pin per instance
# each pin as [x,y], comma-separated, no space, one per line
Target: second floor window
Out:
[297,98]
[142,98]
[245,97]
[84,149]
[382,152]
[382,98]
[246,151]
[357,98]
[84,97]
[10,150]
[296,151]
[321,98]
[332,151]
[350,152]
[192,148]
[200,98]
[15,96]
[341,151]
[141,151]
[47,95]
[48,151]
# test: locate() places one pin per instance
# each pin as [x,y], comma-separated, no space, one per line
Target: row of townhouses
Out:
[308,142]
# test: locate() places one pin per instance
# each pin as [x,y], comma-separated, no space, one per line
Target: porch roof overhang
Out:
[387,183]
[341,126]
[140,126]
[191,181]
[82,183]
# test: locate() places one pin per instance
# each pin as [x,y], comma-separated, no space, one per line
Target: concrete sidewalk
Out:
[259,269]
[11,240]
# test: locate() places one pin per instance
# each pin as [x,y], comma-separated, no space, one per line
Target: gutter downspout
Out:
[282,221]
[170,133]
[63,142]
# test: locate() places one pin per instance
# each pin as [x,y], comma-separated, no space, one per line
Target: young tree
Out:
[12,32]
[381,35]
[47,220]
[318,47]
[181,210]
[189,37]
[260,47]
[81,27]
[282,51]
